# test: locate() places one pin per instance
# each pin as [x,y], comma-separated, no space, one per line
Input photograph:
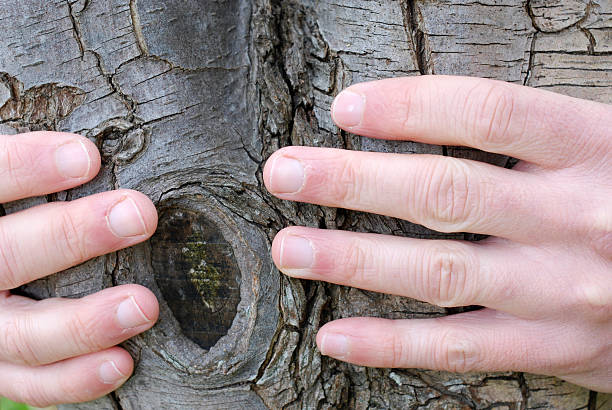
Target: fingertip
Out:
[64,138]
[122,360]
[364,341]
[277,247]
[283,172]
[94,156]
[44,162]
[277,243]
[334,326]
[146,212]
[333,344]
[74,380]
[319,338]
[355,326]
[108,370]
[114,369]
[74,327]
[328,328]
[136,309]
[267,168]
[348,108]
[146,300]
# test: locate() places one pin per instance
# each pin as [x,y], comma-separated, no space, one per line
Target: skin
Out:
[544,275]
[63,350]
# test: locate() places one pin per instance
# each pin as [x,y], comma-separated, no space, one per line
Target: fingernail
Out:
[125,220]
[109,373]
[334,345]
[286,176]
[72,160]
[347,110]
[129,314]
[296,252]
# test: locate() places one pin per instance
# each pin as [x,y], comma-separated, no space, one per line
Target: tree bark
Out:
[186,100]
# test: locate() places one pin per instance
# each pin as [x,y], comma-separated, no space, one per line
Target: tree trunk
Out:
[186,99]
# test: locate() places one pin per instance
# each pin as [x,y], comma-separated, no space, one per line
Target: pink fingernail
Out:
[348,108]
[286,176]
[129,314]
[72,160]
[334,345]
[125,220]
[109,373]
[296,252]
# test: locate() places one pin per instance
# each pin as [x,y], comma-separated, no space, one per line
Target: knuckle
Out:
[10,263]
[355,262]
[414,113]
[84,334]
[447,269]
[455,353]
[69,239]
[15,341]
[451,199]
[11,342]
[15,168]
[595,300]
[345,186]
[72,392]
[398,353]
[31,392]
[568,358]
[493,115]
[599,229]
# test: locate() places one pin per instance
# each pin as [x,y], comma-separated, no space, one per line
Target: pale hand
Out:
[545,273]
[61,350]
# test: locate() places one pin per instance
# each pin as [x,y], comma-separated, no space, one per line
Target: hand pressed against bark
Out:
[60,350]
[545,274]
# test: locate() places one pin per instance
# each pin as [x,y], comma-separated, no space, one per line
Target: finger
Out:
[39,163]
[56,329]
[442,193]
[534,125]
[483,340]
[49,238]
[444,273]
[76,380]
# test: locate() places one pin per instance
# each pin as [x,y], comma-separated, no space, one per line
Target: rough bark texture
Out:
[186,100]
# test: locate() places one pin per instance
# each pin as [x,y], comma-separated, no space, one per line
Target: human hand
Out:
[545,273]
[60,350]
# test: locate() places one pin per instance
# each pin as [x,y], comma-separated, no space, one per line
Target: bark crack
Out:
[592,400]
[413,22]
[126,100]
[76,29]
[137,26]
[592,41]
[524,390]
[587,32]
[116,402]
[442,390]
[115,270]
[531,60]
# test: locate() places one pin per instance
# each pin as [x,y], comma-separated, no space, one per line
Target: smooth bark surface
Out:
[186,100]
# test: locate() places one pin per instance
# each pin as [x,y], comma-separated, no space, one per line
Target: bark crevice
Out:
[140,40]
[413,24]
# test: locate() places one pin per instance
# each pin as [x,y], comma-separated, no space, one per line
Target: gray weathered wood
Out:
[186,100]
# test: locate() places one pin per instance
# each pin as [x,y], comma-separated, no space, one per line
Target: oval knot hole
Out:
[197,273]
